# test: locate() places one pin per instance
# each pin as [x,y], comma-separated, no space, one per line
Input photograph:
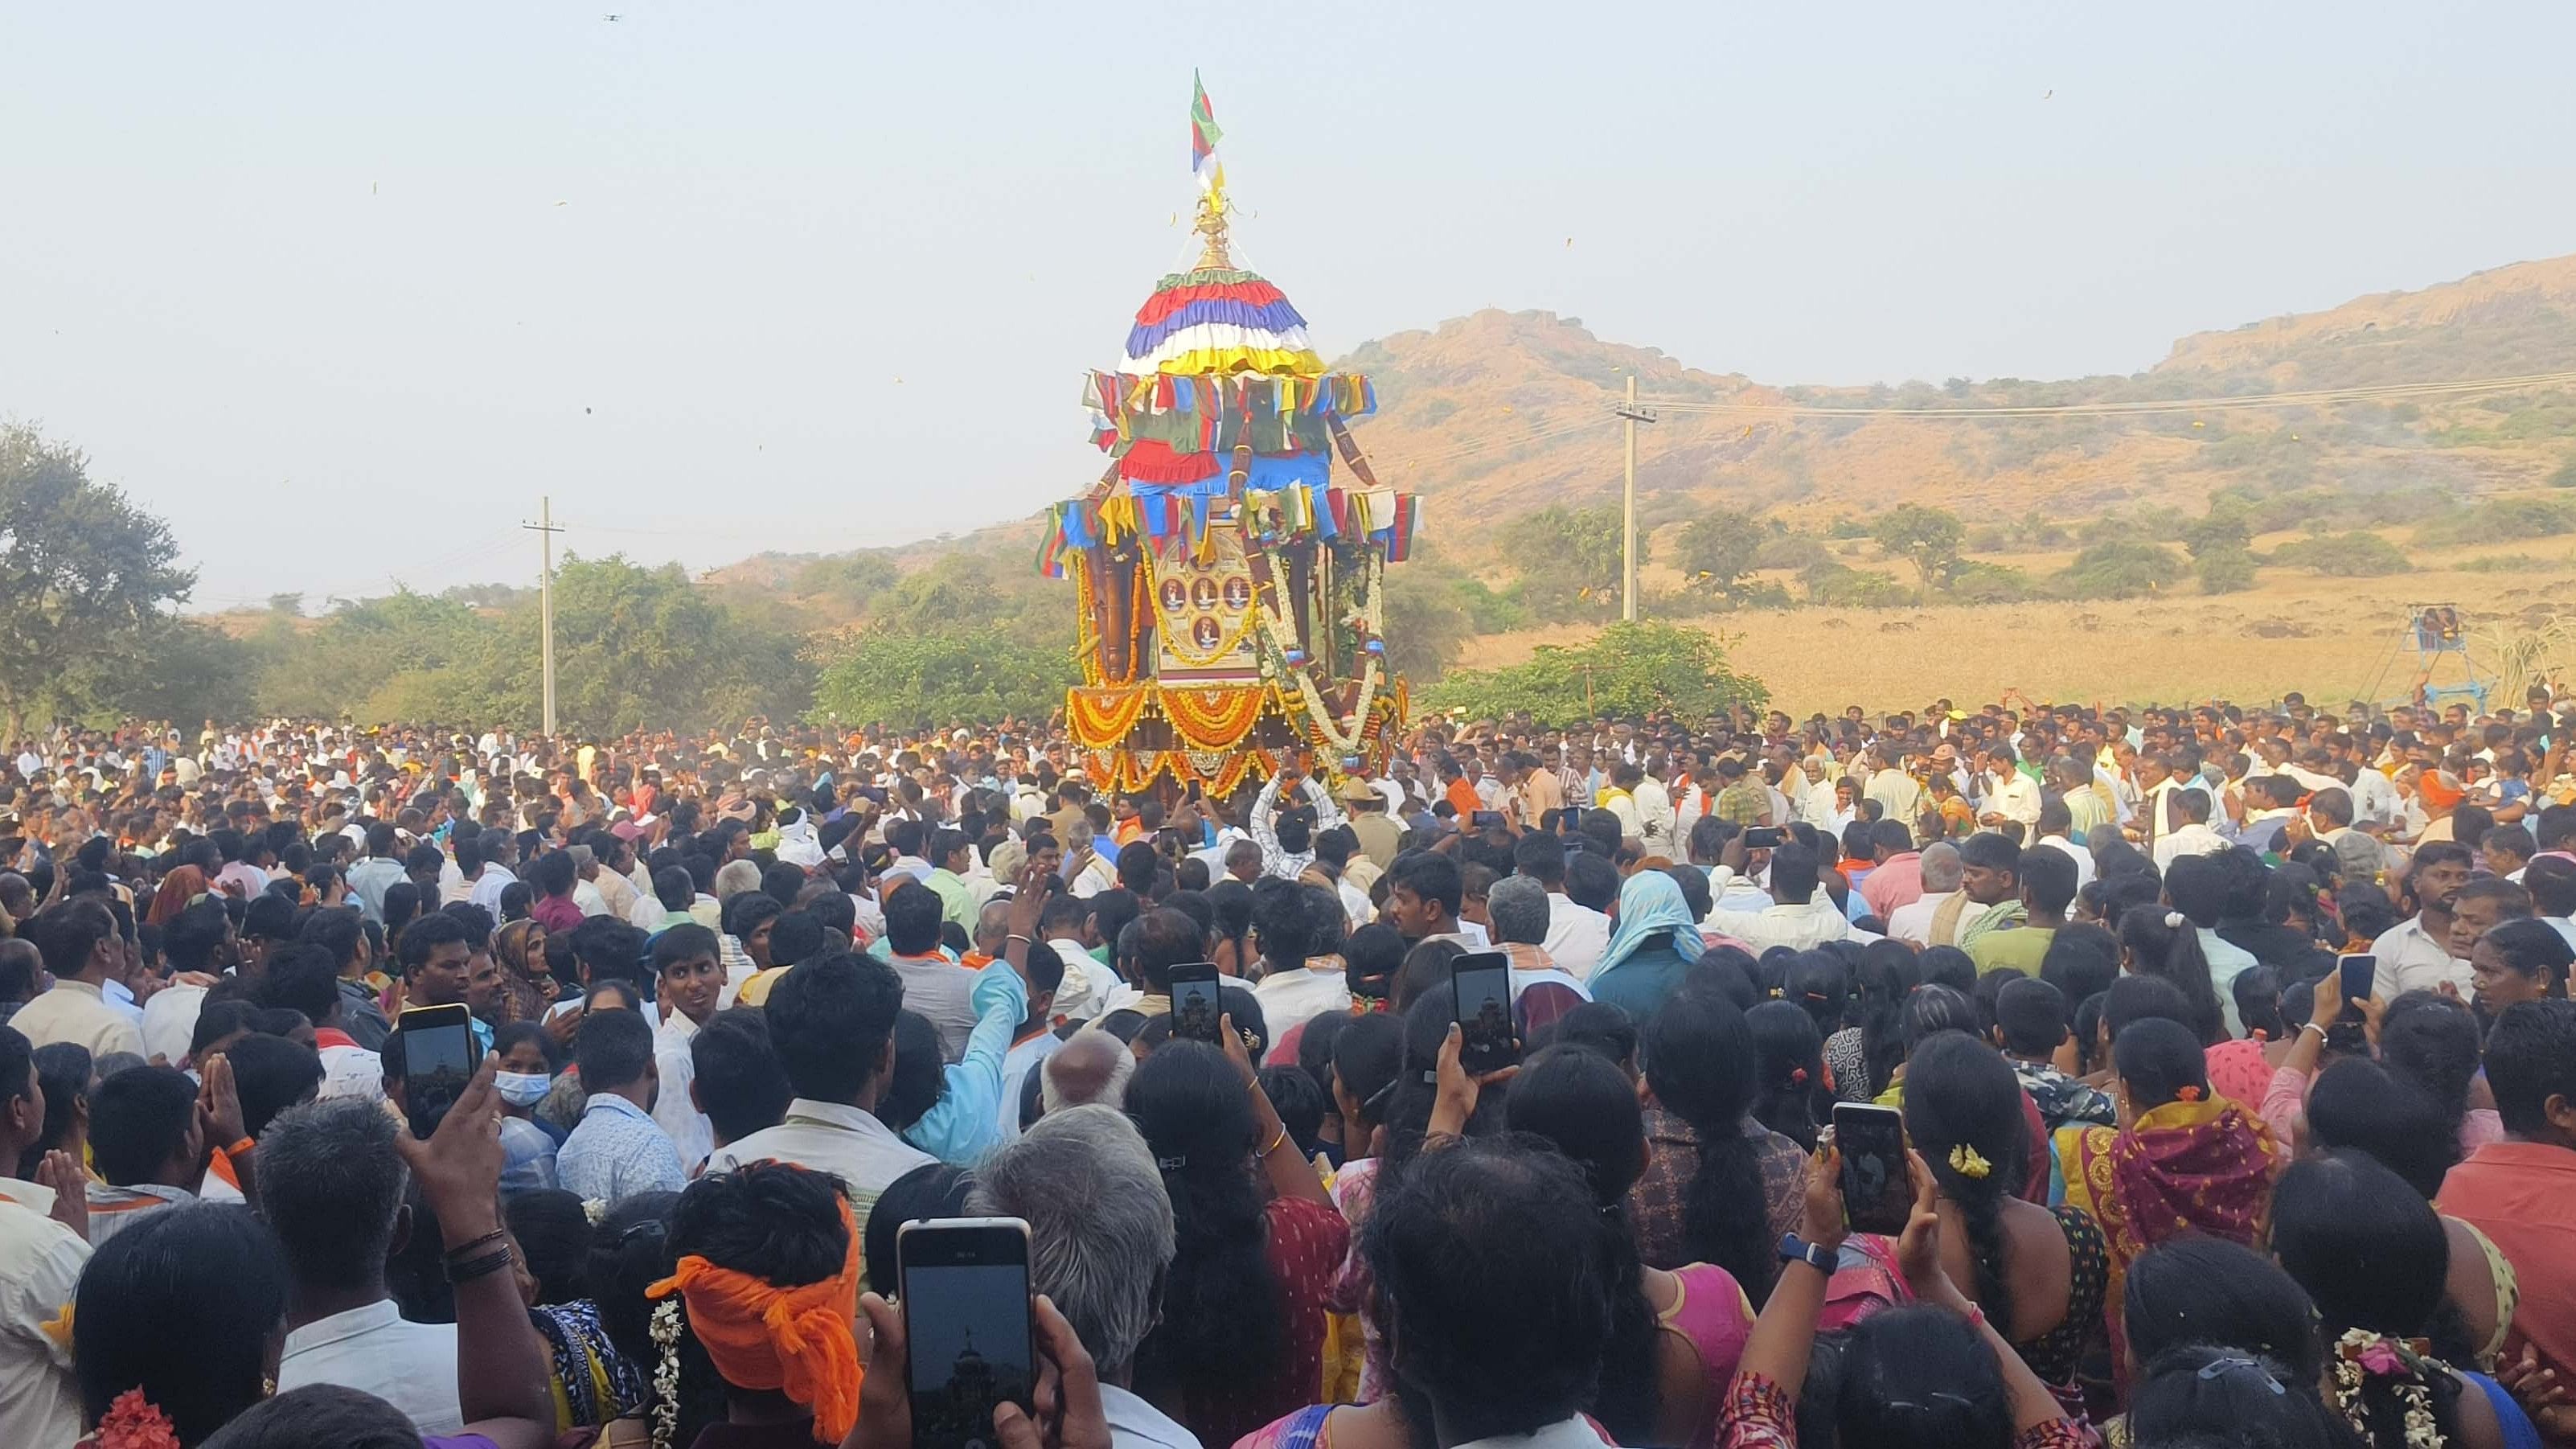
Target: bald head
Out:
[1091,1068]
[993,927]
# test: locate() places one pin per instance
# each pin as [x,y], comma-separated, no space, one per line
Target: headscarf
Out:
[797,1340]
[2199,1166]
[178,889]
[1651,910]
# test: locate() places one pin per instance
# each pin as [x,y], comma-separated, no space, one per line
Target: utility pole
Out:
[1628,508]
[545,530]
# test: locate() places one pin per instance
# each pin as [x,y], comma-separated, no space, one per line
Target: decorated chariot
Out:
[1230,585]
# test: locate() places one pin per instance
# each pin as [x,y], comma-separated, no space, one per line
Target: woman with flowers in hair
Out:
[2182,1160]
[767,1283]
[2373,1255]
[2038,1273]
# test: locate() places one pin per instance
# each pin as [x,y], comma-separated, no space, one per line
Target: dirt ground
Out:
[2328,638]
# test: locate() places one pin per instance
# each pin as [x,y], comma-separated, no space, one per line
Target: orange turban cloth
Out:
[797,1340]
[2439,789]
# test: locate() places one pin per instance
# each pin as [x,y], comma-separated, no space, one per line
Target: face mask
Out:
[522,1089]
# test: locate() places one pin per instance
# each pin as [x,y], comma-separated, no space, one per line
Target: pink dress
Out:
[1713,1316]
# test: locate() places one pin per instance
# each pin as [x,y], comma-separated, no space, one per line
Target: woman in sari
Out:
[1653,943]
[2182,1160]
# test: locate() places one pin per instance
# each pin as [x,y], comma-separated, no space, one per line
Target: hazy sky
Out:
[341,289]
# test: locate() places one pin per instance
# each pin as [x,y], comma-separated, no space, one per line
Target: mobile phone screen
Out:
[966,1321]
[1483,819]
[439,1058]
[2359,970]
[1482,981]
[1876,1196]
[1198,1001]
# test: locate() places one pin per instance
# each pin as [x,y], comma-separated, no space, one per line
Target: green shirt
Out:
[2019,948]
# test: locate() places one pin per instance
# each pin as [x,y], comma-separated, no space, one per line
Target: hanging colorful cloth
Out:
[1399,541]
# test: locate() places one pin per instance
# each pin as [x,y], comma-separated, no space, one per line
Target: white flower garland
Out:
[666,1373]
[1281,634]
[2414,1393]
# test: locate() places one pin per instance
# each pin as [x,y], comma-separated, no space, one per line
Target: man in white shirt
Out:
[1913,922]
[1802,916]
[832,1024]
[40,1268]
[1654,804]
[1576,935]
[1296,985]
[2415,954]
[2012,798]
[331,1185]
[2194,835]
[1100,1242]
[83,950]
[2054,824]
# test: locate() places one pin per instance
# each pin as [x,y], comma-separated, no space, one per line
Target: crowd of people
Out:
[2232,1049]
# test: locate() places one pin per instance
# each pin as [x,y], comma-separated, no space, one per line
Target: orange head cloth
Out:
[793,1339]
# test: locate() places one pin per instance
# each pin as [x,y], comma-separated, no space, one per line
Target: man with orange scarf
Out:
[769,1271]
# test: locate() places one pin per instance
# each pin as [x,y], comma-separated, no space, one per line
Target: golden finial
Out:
[1211,226]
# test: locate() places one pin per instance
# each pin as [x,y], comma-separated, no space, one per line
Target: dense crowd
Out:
[2231,1048]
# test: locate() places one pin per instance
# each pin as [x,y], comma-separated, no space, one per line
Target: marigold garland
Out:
[1214,718]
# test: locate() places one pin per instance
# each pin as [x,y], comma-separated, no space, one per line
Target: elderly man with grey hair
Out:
[1091,1067]
[1517,914]
[1912,922]
[1100,1242]
[332,1186]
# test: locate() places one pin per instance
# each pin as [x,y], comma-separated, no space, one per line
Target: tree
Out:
[1718,552]
[1568,560]
[432,645]
[2354,555]
[287,606]
[2227,527]
[2224,570]
[850,581]
[86,579]
[1925,536]
[2120,568]
[638,646]
[913,677]
[1427,622]
[1627,669]
[196,672]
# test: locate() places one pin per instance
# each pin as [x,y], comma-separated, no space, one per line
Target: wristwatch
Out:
[1795,1249]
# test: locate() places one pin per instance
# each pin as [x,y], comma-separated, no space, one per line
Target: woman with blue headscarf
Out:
[1653,944]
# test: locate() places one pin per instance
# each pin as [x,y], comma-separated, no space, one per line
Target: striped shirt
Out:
[114,1209]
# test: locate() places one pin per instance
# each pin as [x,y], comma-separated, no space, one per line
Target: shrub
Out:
[2119,568]
[2343,555]
[2225,570]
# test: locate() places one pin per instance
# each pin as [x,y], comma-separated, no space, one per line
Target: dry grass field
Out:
[2325,637]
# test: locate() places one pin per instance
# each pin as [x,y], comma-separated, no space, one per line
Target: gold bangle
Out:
[1275,1141]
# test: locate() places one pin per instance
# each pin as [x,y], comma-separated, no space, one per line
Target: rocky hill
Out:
[1512,409]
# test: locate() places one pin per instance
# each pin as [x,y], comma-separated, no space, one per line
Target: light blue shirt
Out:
[120,1001]
[966,1124]
[617,1150]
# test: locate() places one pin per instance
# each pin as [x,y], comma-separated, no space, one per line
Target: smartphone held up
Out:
[1481,985]
[439,1058]
[1871,1141]
[972,1348]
